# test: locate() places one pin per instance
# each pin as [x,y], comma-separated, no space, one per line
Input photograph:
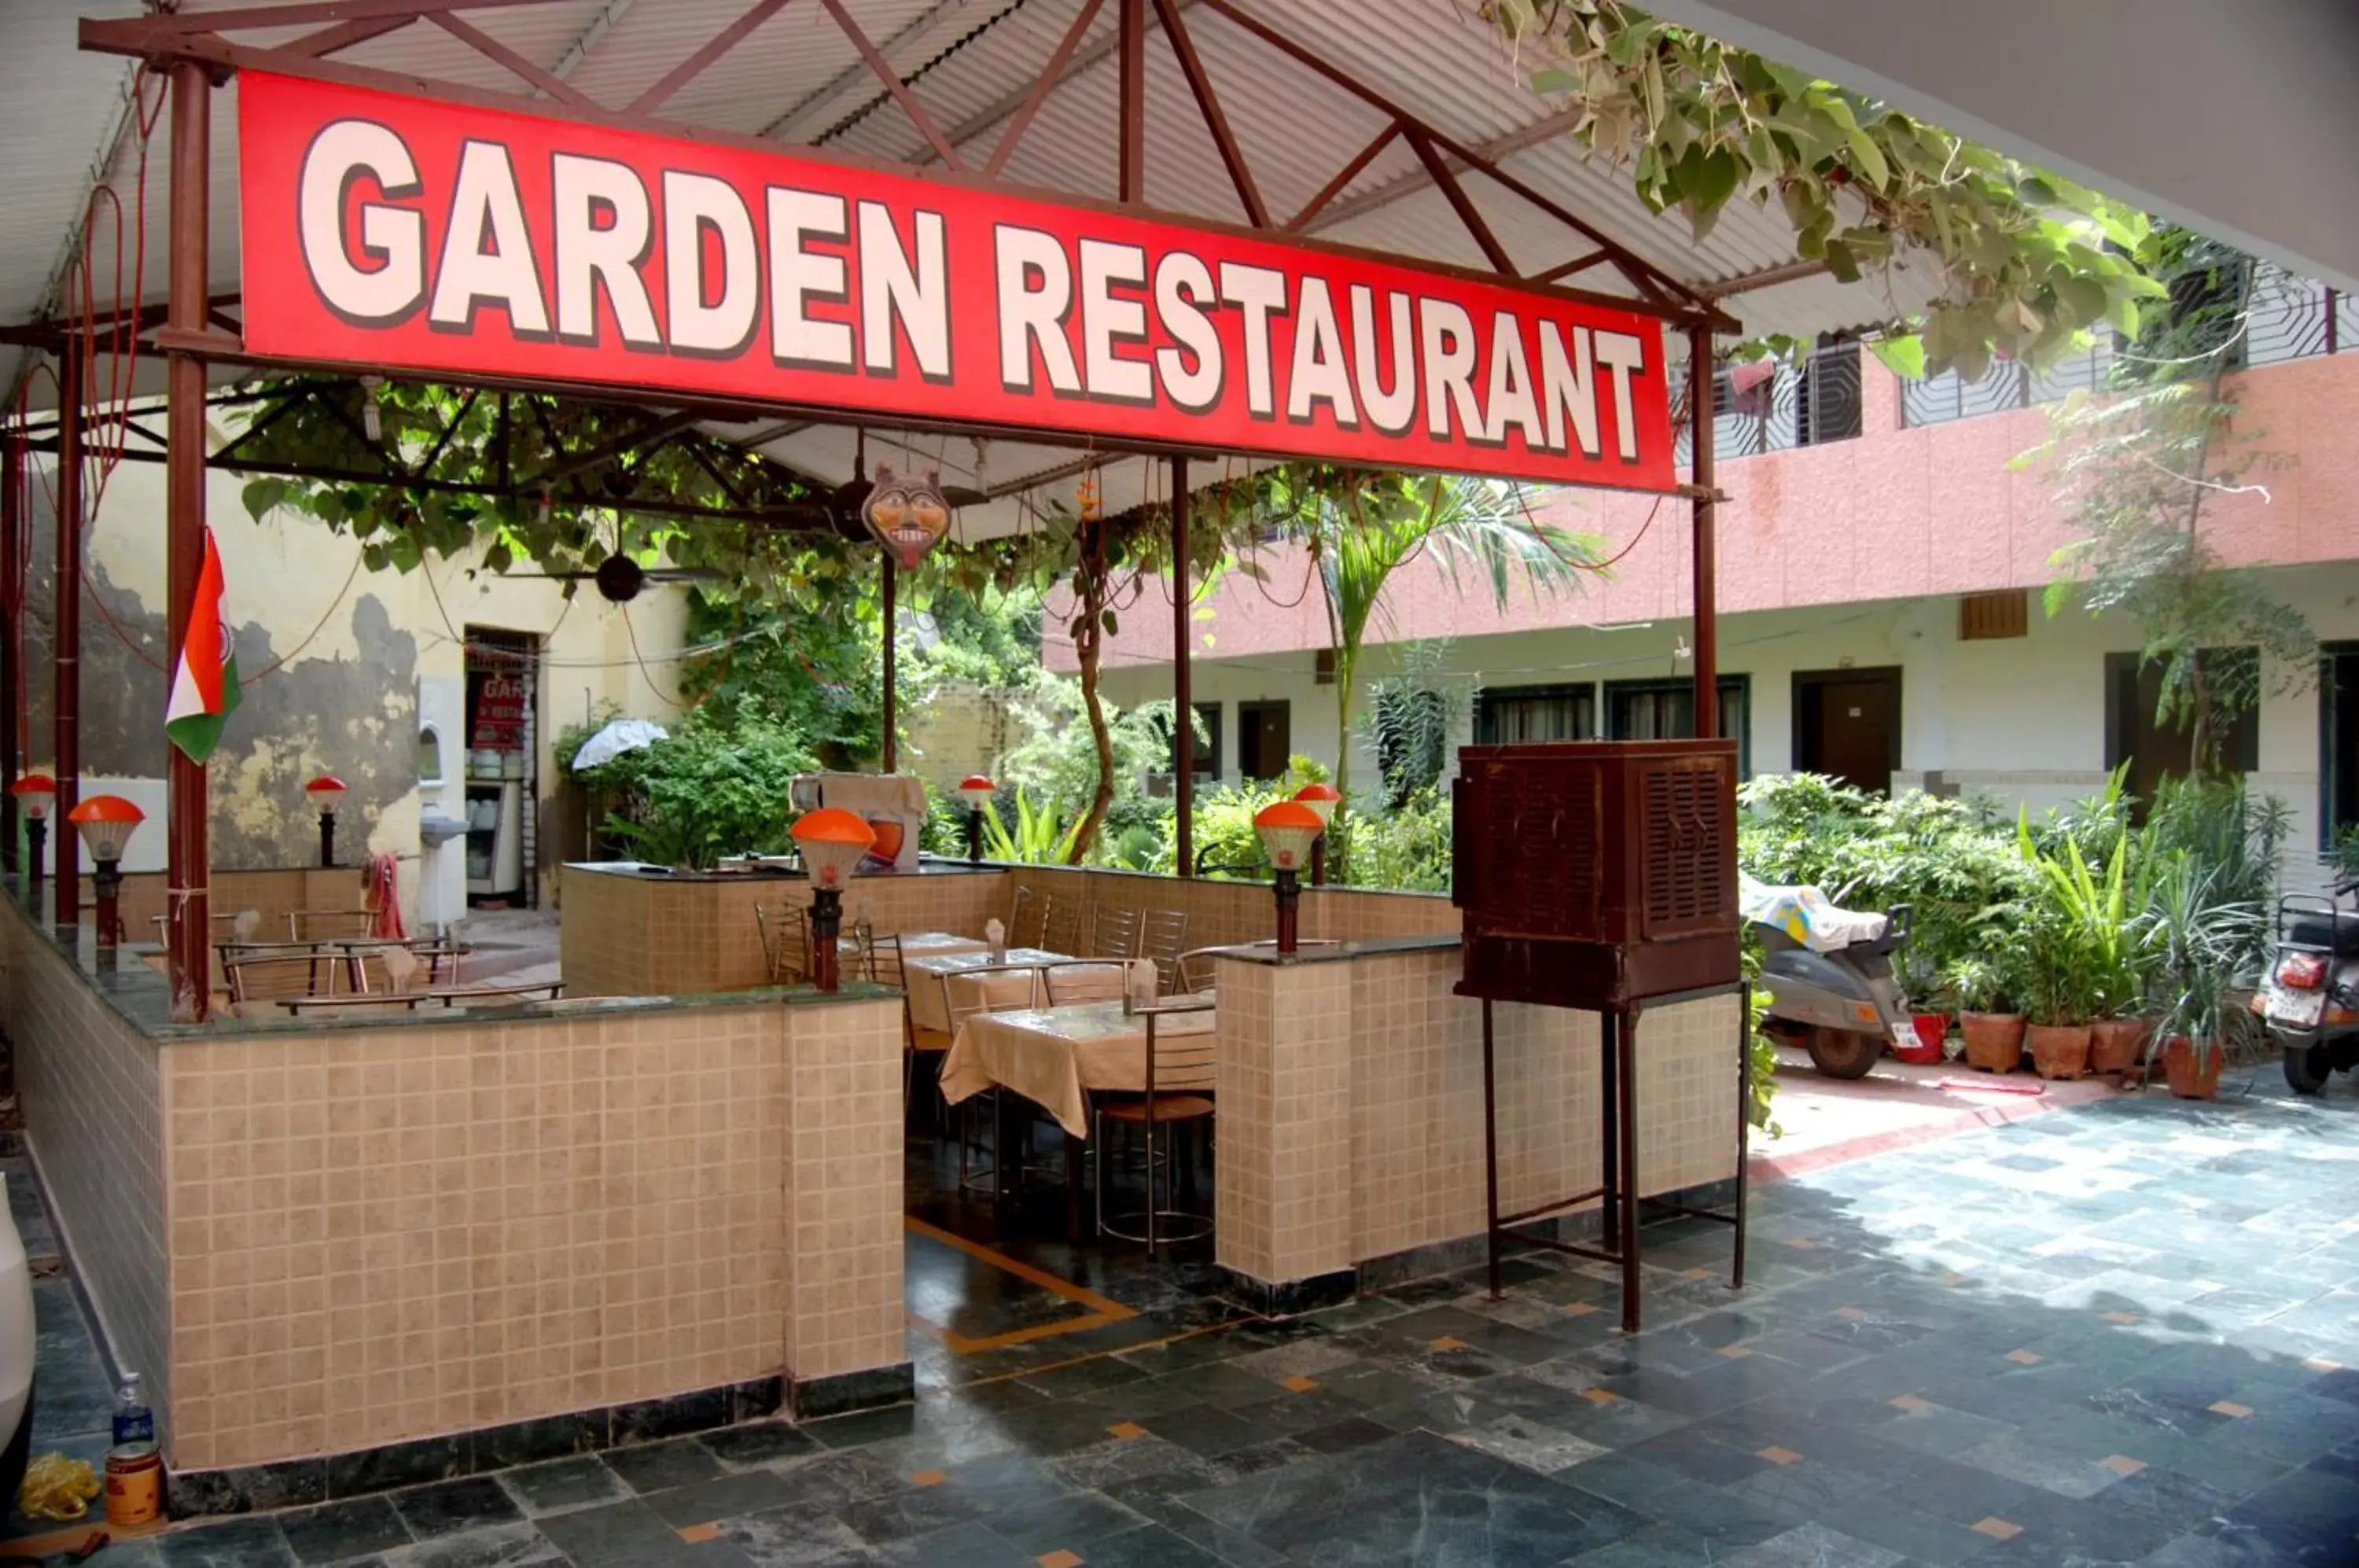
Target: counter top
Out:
[641,871]
[1312,952]
[142,995]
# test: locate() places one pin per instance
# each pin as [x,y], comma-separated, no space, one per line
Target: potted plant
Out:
[2197,935]
[1992,1029]
[2058,967]
[1922,979]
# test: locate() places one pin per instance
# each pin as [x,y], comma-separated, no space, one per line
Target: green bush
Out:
[708,791]
[1407,847]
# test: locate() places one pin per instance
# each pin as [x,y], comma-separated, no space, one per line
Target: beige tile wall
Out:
[1351,1108]
[843,1170]
[271,894]
[398,1232]
[625,936]
[93,1097]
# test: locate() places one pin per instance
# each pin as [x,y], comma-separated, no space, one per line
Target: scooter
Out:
[2311,998]
[1829,975]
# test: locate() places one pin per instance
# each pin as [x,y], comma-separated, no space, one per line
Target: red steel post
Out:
[189,876]
[1184,706]
[66,696]
[12,636]
[1707,613]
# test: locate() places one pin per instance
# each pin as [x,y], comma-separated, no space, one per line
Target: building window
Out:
[2156,751]
[1264,739]
[1665,710]
[1534,716]
[2338,740]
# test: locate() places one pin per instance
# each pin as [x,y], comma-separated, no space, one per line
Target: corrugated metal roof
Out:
[799,79]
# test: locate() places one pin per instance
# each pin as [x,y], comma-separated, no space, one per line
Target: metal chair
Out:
[1028,919]
[1178,1095]
[323,925]
[982,997]
[1061,924]
[1075,981]
[785,940]
[1115,933]
[1165,938]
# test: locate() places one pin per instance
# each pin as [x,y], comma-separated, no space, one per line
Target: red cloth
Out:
[382,883]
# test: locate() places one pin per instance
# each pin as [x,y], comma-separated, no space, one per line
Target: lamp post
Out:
[1288,831]
[977,791]
[325,791]
[36,793]
[105,824]
[1323,798]
[833,842]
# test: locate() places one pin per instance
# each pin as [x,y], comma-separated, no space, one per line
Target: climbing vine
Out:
[2021,260]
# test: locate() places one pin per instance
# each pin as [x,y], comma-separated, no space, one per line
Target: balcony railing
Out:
[1763,407]
[2286,318]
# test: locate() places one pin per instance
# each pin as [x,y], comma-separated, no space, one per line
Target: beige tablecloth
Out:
[1052,1056]
[935,944]
[933,1003]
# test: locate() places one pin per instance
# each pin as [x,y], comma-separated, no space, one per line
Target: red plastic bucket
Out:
[1932,1033]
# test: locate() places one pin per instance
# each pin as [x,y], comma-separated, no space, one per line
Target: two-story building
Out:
[1881,575]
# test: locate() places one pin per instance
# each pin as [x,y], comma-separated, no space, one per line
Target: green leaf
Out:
[1841,263]
[1868,159]
[2083,296]
[1554,81]
[1107,619]
[1905,357]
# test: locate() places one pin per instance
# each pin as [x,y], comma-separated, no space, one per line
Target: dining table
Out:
[943,987]
[1056,1057]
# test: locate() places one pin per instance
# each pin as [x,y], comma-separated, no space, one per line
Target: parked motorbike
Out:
[1829,975]
[2311,999]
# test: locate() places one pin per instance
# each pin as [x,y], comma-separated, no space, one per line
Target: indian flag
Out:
[204,684]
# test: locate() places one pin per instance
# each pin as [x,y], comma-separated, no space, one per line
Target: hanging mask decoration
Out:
[908,517]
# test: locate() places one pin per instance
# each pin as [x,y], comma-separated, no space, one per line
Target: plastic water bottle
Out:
[134,1421]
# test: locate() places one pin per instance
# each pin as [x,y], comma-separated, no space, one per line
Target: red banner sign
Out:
[385,231]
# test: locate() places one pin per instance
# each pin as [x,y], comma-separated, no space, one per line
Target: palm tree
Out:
[1362,528]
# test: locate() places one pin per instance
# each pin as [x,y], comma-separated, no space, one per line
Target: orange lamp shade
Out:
[1287,829]
[36,793]
[325,791]
[977,790]
[1323,798]
[832,841]
[106,823]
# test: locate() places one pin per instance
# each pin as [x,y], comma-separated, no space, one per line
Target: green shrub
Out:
[709,790]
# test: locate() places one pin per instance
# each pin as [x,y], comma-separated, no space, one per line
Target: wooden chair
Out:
[1115,933]
[1179,1097]
[785,940]
[1165,939]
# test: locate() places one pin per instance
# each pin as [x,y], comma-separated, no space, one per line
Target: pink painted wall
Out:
[1898,513]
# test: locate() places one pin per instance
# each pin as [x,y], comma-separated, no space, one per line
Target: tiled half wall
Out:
[1351,1099]
[317,1241]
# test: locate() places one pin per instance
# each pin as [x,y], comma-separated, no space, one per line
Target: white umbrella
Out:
[621,735]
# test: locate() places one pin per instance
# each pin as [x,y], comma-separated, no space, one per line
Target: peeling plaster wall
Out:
[356,643]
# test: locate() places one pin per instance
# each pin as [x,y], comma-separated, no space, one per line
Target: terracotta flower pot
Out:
[1994,1041]
[2115,1044]
[2060,1051]
[2193,1071]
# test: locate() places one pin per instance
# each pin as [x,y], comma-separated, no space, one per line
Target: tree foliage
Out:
[2024,259]
[2142,471]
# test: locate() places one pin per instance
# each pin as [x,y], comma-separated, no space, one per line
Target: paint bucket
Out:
[135,1485]
[1933,1032]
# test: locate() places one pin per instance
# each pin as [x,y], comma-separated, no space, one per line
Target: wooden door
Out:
[1847,726]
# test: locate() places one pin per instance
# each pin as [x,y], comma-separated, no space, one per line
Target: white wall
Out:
[2022,719]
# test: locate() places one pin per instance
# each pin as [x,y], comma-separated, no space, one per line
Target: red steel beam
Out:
[1464,206]
[1348,173]
[714,48]
[189,876]
[343,35]
[1208,104]
[523,70]
[1050,75]
[896,87]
